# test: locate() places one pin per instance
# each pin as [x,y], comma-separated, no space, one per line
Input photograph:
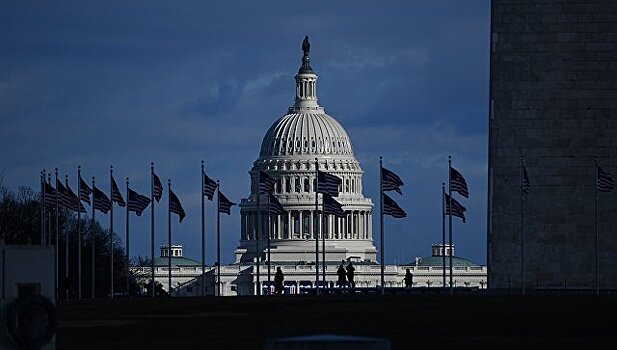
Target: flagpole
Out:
[66,251]
[315,229]
[43,207]
[218,238]
[93,241]
[127,257]
[522,228]
[169,235]
[596,238]
[268,243]
[111,232]
[443,232]
[258,235]
[450,221]
[323,243]
[152,267]
[79,232]
[203,235]
[57,239]
[381,222]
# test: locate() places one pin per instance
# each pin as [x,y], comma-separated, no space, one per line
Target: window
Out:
[297,184]
[346,185]
[306,185]
[288,185]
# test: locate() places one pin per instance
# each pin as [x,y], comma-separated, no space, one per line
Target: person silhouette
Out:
[408,279]
[278,281]
[342,276]
[350,274]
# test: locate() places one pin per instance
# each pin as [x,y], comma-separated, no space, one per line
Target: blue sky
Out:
[126,83]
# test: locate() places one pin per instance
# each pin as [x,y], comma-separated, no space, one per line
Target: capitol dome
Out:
[294,147]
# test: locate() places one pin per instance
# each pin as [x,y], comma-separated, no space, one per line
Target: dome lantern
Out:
[306,82]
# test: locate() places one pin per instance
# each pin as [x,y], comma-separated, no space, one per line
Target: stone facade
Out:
[553,101]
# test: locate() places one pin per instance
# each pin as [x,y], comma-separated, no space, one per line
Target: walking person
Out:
[408,279]
[350,275]
[342,276]
[278,281]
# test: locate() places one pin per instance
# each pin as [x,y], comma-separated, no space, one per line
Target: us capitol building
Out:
[288,153]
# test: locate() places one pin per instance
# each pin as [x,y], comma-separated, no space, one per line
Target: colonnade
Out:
[298,224]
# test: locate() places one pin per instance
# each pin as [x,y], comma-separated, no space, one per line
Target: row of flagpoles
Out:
[62,196]
[328,186]
[604,183]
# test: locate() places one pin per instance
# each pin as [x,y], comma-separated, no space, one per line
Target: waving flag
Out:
[275,206]
[209,186]
[331,206]
[50,195]
[116,196]
[157,187]
[328,183]
[84,191]
[390,207]
[225,204]
[604,182]
[100,201]
[458,183]
[457,209]
[266,183]
[391,181]
[74,202]
[137,202]
[175,206]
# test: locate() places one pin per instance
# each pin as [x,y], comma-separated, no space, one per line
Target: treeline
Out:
[20,224]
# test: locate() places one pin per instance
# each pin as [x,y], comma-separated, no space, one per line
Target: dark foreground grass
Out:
[410,322]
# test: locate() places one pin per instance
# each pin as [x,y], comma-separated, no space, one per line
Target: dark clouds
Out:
[126,83]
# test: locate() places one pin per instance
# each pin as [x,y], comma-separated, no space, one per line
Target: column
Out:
[301,224]
[311,224]
[289,216]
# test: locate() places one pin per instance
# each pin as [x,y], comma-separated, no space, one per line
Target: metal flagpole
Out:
[443,233]
[78,232]
[66,252]
[269,232]
[315,228]
[43,207]
[111,232]
[522,228]
[323,244]
[168,235]
[57,239]
[203,235]
[127,257]
[450,220]
[152,267]
[218,238]
[381,220]
[258,232]
[596,242]
[93,240]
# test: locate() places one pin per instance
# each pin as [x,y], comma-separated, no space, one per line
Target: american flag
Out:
[266,183]
[225,204]
[390,207]
[390,181]
[74,202]
[50,195]
[174,205]
[328,183]
[100,201]
[84,190]
[63,197]
[137,202]
[116,196]
[457,209]
[604,182]
[157,187]
[209,186]
[331,206]
[525,186]
[458,183]
[275,206]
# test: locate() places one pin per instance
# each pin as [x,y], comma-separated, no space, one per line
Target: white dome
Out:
[311,134]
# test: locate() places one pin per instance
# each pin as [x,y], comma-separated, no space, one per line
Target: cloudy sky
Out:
[96,83]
